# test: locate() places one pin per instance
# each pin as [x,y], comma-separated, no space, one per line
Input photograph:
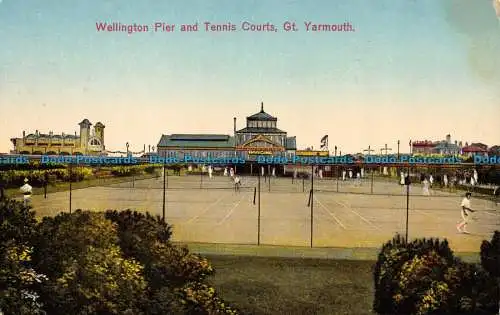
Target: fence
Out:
[341,211]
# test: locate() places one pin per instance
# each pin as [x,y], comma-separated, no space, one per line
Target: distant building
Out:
[475,149]
[425,146]
[90,141]
[494,150]
[261,136]
[445,147]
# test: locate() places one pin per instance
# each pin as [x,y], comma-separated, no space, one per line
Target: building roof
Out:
[262,115]
[196,141]
[260,130]
[86,122]
[425,143]
[495,148]
[99,124]
[473,148]
[291,143]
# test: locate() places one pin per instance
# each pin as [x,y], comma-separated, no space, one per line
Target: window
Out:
[95,142]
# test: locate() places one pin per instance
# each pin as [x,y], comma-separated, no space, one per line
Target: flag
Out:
[324,142]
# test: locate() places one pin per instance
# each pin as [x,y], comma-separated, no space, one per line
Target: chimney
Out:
[36,132]
[24,134]
[234,119]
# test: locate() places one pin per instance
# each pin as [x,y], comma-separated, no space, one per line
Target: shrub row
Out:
[99,263]
[38,177]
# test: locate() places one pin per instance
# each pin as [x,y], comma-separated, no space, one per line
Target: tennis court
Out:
[210,210]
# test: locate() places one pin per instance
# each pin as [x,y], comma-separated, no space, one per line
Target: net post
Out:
[70,185]
[258,209]
[312,205]
[164,192]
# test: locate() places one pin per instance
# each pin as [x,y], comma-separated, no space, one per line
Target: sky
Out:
[410,70]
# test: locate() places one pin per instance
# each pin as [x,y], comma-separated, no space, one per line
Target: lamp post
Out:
[407,182]
[398,150]
[127,145]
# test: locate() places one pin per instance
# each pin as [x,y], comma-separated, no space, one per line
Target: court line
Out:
[330,213]
[493,214]
[421,212]
[348,207]
[205,210]
[231,211]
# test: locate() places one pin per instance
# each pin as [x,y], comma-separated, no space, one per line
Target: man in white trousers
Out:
[26,190]
[466,214]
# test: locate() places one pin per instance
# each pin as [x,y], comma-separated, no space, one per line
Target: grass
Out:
[271,285]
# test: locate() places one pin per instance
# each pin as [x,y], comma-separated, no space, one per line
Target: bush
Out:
[18,280]
[175,276]
[393,256]
[99,263]
[490,260]
[424,277]
[17,222]
[490,255]
[87,271]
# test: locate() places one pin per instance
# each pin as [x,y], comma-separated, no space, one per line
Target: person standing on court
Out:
[466,208]
[26,190]
[237,183]
[425,189]
[210,171]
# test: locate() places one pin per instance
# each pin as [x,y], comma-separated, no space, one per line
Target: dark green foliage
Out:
[99,263]
[390,260]
[87,274]
[168,269]
[490,260]
[18,281]
[65,237]
[137,232]
[17,222]
[490,255]
[424,277]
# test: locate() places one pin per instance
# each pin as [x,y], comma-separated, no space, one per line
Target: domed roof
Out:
[262,115]
[85,122]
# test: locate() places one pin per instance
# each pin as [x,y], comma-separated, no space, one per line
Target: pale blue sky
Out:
[409,65]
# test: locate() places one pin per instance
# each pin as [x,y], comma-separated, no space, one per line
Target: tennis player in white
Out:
[425,189]
[462,226]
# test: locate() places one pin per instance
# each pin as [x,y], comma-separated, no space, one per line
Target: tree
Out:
[490,260]
[19,283]
[87,271]
[18,280]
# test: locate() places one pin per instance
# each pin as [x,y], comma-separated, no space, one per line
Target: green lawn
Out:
[269,285]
